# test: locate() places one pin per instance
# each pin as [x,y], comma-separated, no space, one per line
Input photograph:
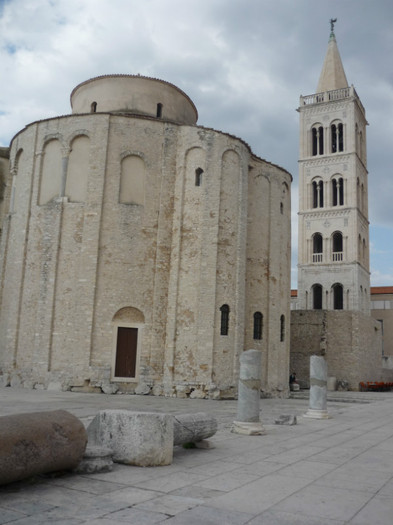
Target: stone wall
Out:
[82,257]
[4,176]
[351,342]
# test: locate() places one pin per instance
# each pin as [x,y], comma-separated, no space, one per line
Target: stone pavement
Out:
[318,472]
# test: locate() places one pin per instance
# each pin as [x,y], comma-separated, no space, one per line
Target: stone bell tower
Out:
[333,259]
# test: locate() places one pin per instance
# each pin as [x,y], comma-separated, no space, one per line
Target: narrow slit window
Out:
[93,107]
[282,328]
[198,176]
[258,325]
[224,319]
[159,110]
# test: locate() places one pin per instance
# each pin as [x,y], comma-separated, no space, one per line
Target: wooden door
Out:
[126,347]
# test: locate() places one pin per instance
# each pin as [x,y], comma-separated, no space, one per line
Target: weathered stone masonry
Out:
[129,227]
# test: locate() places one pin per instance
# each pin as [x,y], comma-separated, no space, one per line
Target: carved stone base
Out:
[317,414]
[248,429]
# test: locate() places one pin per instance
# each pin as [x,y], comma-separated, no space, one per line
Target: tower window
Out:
[93,107]
[340,137]
[317,243]
[338,192]
[337,246]
[258,325]
[159,110]
[198,176]
[224,319]
[317,194]
[317,297]
[337,137]
[317,140]
[338,296]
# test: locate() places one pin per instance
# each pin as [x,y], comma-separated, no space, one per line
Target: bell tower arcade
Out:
[333,260]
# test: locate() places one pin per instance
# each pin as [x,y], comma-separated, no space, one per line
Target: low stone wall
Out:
[351,342]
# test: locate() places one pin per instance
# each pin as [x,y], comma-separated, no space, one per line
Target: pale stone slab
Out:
[207,515]
[135,438]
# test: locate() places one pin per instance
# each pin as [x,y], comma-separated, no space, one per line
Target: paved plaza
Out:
[319,472]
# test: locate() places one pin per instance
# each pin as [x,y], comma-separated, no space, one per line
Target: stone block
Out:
[331,384]
[109,388]
[144,439]
[286,420]
[197,394]
[4,380]
[142,389]
[16,381]
[55,386]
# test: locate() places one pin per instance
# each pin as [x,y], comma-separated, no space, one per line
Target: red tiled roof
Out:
[381,289]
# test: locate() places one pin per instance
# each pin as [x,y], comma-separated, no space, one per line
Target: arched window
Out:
[337,137]
[52,172]
[317,194]
[337,191]
[258,325]
[132,180]
[224,319]
[159,110]
[340,130]
[317,247]
[337,246]
[341,191]
[282,328]
[198,176]
[78,169]
[338,296]
[317,140]
[317,297]
[93,107]
[314,134]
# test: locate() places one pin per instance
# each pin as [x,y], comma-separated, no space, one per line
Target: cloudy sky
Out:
[244,63]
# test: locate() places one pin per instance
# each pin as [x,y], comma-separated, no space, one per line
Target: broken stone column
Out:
[39,443]
[318,389]
[144,439]
[248,418]
[192,428]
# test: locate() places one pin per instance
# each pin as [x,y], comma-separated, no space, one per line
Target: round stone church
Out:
[141,252]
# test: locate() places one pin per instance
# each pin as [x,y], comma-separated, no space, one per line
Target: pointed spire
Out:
[332,74]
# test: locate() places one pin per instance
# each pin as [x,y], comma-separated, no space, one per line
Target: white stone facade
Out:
[127,220]
[333,259]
